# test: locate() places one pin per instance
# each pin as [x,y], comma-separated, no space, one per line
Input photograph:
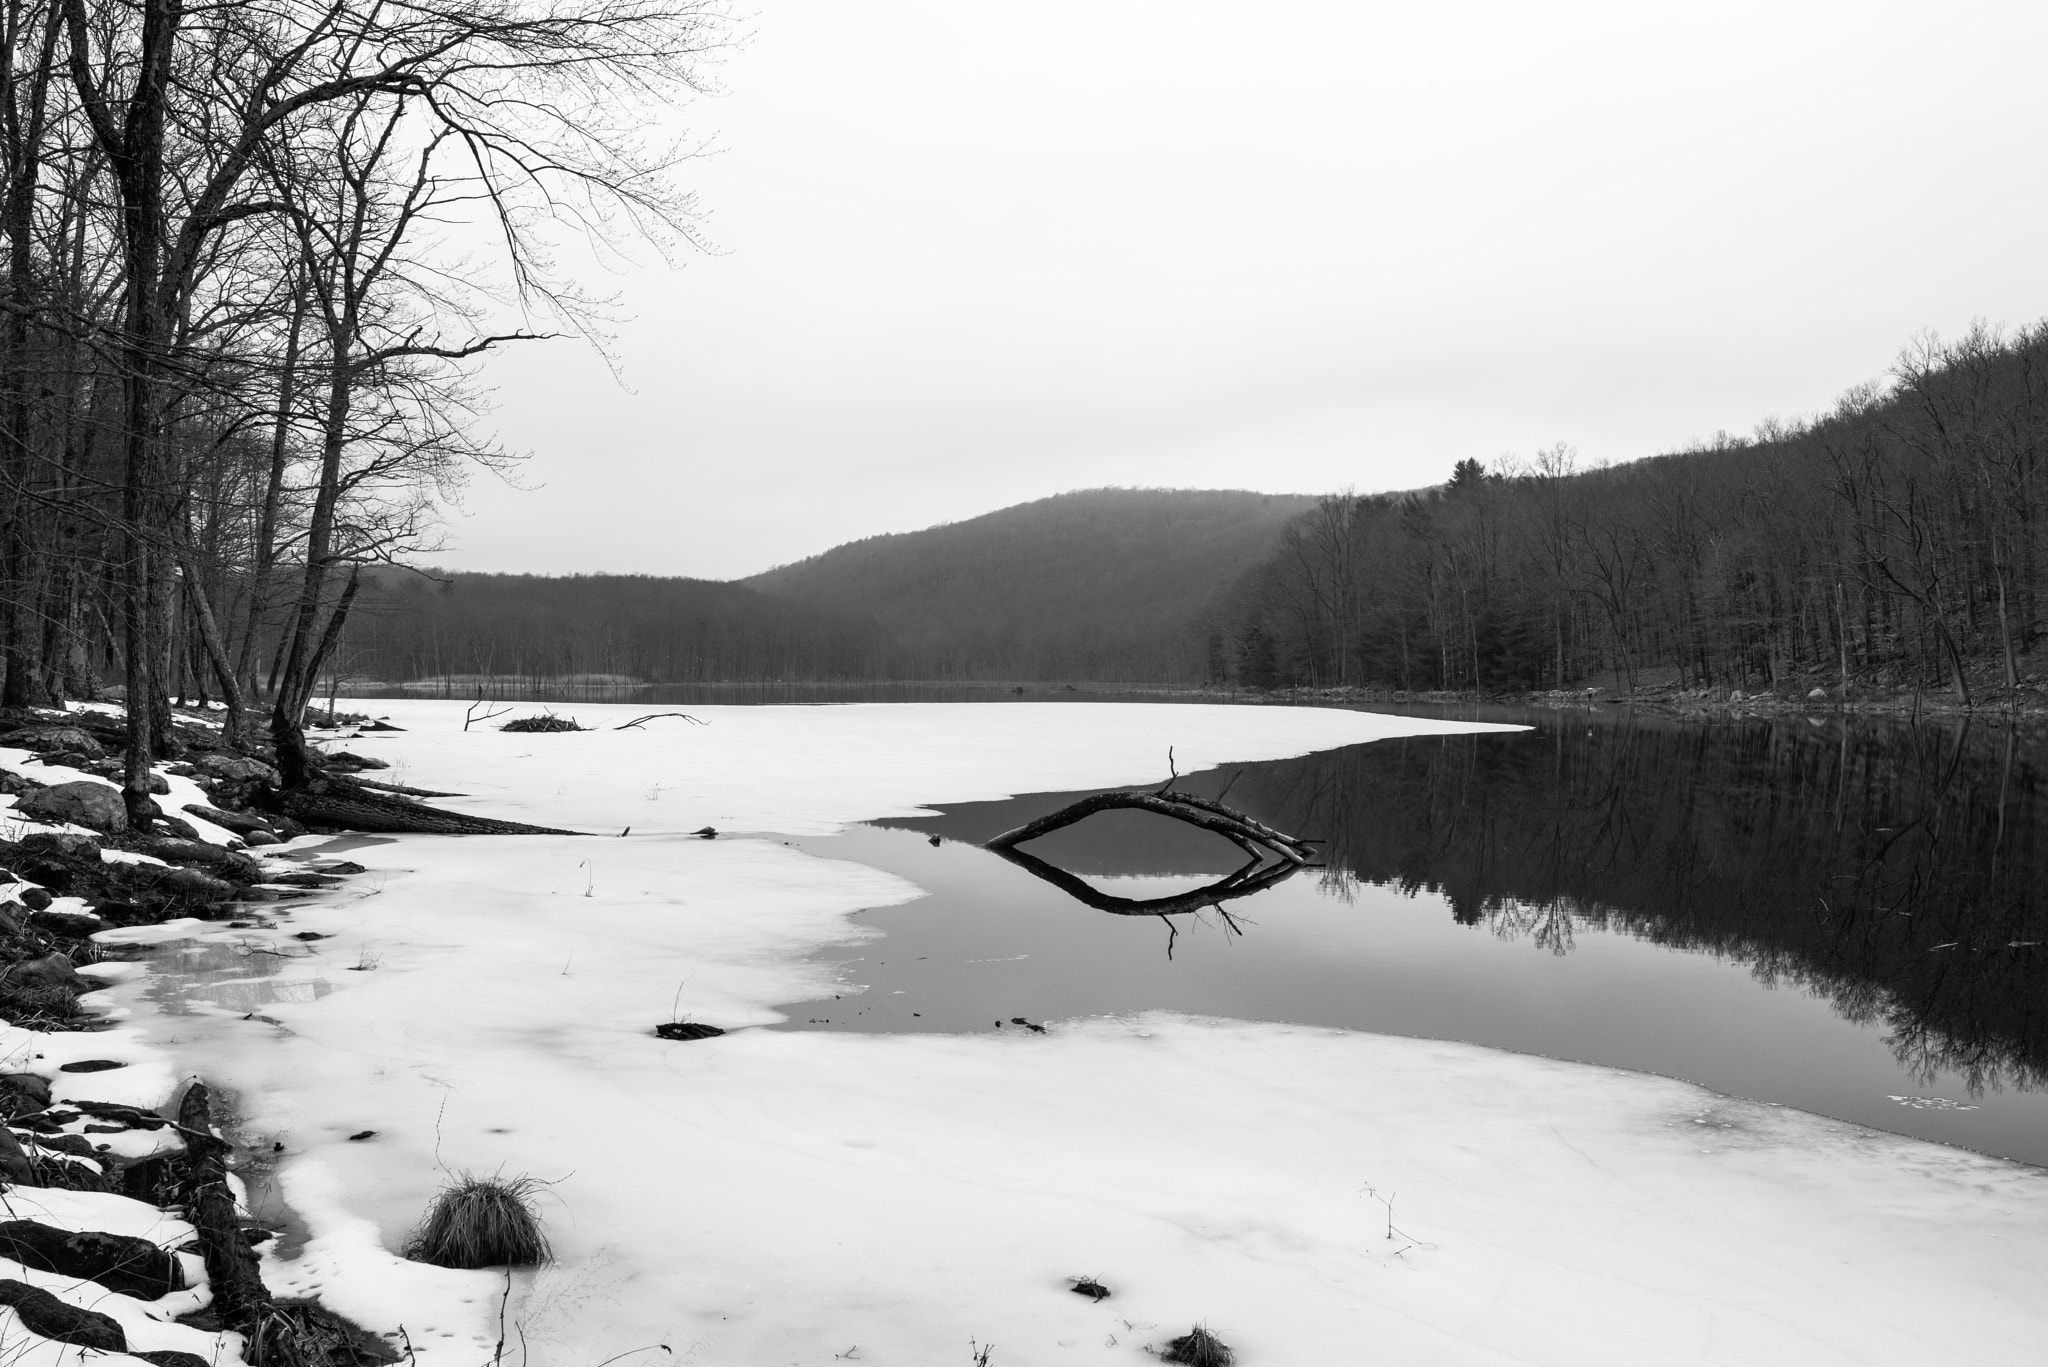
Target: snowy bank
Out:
[770,1197]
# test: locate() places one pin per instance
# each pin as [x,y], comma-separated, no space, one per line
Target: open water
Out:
[1849,918]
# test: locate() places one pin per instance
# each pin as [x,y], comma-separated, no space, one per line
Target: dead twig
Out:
[655,716]
[470,716]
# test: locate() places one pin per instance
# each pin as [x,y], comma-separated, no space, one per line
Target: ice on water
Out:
[766,1197]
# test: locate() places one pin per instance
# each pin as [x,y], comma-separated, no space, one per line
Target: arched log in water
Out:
[1254,837]
[1256,876]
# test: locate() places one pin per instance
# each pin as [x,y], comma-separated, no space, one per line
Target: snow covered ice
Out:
[1313,1196]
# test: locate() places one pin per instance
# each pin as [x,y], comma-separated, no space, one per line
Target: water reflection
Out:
[1840,917]
[188,976]
[1896,870]
[1252,877]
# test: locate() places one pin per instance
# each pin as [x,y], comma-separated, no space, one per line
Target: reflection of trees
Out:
[1891,869]
[1549,923]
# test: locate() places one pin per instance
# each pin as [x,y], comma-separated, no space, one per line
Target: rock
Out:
[171,1357]
[23,1093]
[36,899]
[262,838]
[236,767]
[120,1262]
[177,826]
[91,1065]
[234,862]
[15,1164]
[51,970]
[81,804]
[45,740]
[343,759]
[193,883]
[1818,694]
[42,1313]
[158,784]
[10,925]
[66,844]
[73,925]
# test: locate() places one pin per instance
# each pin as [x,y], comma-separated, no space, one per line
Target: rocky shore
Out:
[127,1231]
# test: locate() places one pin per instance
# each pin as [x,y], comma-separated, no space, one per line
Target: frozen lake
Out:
[1844,919]
[823,1193]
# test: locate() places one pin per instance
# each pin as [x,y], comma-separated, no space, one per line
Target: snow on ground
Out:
[768,1198]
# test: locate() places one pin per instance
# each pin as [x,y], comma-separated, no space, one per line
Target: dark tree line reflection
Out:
[1896,870]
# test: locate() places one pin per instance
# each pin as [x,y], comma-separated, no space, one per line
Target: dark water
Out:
[1850,919]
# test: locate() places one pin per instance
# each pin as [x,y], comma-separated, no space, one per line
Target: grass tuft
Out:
[1199,1348]
[481,1222]
[39,1008]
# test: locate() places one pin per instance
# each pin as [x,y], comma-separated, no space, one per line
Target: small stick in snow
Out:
[652,716]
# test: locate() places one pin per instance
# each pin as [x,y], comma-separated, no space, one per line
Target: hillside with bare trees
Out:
[1898,541]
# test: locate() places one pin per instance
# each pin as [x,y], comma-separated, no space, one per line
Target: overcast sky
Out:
[975,253]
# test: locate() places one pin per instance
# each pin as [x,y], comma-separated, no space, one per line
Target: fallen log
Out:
[1253,836]
[239,1296]
[332,801]
[400,788]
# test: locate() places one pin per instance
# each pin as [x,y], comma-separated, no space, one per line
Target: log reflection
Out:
[1274,856]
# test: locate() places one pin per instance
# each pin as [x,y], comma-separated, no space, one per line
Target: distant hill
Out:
[1102,584]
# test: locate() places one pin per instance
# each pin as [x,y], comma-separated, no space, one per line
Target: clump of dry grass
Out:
[1199,1348]
[481,1222]
[39,1008]
[547,721]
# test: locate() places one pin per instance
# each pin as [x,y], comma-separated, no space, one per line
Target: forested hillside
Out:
[1898,540]
[1106,584]
[1101,584]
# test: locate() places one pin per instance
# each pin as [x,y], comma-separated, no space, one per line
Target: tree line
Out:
[513,632]
[1897,540]
[252,253]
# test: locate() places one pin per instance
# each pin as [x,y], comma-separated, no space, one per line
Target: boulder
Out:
[1817,694]
[64,844]
[42,1313]
[237,767]
[46,740]
[120,1262]
[81,804]
[76,925]
[51,970]
[23,1094]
